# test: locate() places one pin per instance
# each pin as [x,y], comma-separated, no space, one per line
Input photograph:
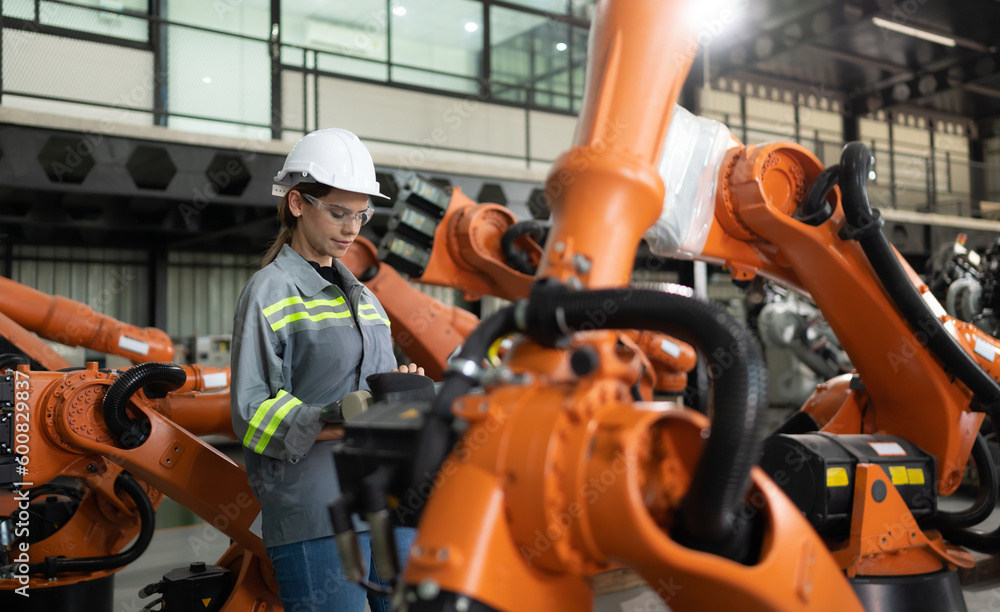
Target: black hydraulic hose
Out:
[709,517]
[814,209]
[515,257]
[974,539]
[161,377]
[12,360]
[436,437]
[865,225]
[986,499]
[147,522]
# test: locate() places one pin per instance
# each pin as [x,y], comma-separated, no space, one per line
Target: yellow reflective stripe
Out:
[273,425]
[367,307]
[375,316]
[305,315]
[259,416]
[273,308]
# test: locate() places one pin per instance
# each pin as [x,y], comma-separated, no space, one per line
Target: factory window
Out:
[207,67]
[348,37]
[221,75]
[91,16]
[247,17]
[437,44]
[19,9]
[582,9]
[530,58]
[579,67]
[134,6]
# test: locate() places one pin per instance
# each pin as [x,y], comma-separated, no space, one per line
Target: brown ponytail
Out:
[289,222]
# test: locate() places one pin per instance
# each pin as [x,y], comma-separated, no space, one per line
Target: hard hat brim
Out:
[282,186]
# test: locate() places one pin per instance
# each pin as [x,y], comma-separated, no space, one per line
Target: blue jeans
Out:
[311,578]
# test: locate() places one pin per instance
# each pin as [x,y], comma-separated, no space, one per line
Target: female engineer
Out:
[306,333]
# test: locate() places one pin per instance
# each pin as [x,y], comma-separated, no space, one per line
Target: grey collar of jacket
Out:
[308,281]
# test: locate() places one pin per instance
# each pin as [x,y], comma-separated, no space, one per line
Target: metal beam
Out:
[991,92]
[40,28]
[157,287]
[858,60]
[934,219]
[276,89]
[788,36]
[251,227]
[963,74]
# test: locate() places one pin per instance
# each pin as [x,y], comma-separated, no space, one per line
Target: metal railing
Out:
[157,68]
[937,182]
[157,64]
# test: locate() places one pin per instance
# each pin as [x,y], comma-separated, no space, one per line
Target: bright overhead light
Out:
[560,46]
[709,18]
[206,80]
[905,29]
[471,26]
[399,11]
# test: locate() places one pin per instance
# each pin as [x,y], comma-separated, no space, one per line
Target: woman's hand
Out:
[410,369]
[331,431]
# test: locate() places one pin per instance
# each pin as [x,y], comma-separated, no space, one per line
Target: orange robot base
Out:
[545,472]
[69,438]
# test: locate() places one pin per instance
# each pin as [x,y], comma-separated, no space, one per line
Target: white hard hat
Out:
[334,157]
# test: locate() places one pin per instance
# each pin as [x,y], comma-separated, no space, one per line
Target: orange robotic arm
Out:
[559,473]
[66,433]
[31,345]
[670,358]
[73,323]
[446,239]
[466,251]
[426,329]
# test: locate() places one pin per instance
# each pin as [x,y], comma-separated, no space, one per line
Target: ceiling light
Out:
[904,29]
[399,11]
[471,26]
[560,46]
[709,18]
[206,80]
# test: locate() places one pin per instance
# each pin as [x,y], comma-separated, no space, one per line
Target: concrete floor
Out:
[175,547]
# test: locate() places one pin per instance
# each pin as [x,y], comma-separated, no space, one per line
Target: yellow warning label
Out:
[206,601]
[836,477]
[412,413]
[916,475]
[898,475]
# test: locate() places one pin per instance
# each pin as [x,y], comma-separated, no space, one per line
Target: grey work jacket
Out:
[299,344]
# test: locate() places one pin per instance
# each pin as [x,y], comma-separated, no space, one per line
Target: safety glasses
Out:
[340,214]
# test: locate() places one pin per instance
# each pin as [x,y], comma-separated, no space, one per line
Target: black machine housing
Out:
[817,471]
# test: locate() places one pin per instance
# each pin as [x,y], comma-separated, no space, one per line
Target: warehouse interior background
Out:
[138,138]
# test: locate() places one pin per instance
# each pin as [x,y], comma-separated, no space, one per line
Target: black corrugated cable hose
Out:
[865,225]
[436,437]
[814,209]
[147,521]
[160,377]
[986,498]
[516,258]
[709,518]
[12,360]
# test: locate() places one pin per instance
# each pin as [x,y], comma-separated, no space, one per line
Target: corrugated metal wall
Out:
[114,282]
[202,289]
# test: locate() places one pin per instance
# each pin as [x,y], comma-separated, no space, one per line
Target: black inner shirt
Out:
[329,274]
